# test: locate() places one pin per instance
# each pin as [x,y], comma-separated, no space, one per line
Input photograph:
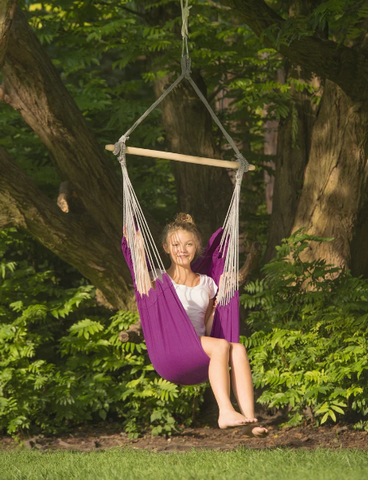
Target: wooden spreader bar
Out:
[213,162]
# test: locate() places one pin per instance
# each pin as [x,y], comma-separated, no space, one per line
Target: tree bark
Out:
[7,9]
[292,153]
[333,202]
[291,161]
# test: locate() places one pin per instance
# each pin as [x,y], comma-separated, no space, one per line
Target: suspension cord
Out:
[185,10]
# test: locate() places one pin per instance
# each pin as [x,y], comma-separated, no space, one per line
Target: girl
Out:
[181,241]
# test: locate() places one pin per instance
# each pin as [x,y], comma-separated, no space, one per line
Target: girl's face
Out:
[181,247]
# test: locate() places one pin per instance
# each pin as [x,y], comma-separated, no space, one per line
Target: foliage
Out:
[310,340]
[343,21]
[61,362]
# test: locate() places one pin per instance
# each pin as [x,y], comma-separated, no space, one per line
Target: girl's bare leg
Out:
[241,379]
[219,352]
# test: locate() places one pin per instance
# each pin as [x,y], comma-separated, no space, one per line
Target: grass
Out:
[130,464]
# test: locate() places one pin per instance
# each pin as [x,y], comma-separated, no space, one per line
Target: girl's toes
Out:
[259,432]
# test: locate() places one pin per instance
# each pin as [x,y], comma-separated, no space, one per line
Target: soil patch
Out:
[106,436]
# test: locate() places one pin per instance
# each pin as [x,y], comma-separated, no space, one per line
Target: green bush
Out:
[61,362]
[309,346]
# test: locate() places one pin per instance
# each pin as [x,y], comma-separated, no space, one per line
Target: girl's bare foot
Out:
[251,419]
[251,431]
[233,419]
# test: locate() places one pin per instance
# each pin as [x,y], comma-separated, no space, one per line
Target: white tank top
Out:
[195,300]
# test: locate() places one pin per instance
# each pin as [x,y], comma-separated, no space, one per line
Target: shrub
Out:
[61,362]
[309,345]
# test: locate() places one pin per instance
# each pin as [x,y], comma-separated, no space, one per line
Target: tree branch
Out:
[77,239]
[347,67]
[216,5]
[66,193]
[133,335]
[134,12]
[222,86]
[251,262]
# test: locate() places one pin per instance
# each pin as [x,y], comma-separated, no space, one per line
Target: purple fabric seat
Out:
[173,346]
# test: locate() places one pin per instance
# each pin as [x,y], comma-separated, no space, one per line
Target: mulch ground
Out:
[106,436]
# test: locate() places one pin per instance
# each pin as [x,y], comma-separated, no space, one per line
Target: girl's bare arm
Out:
[142,276]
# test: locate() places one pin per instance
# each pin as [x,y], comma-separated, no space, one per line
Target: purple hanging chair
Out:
[172,342]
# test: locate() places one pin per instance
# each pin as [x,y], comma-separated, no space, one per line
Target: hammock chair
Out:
[172,343]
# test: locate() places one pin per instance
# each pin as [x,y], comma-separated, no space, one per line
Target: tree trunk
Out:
[270,148]
[333,202]
[291,160]
[333,199]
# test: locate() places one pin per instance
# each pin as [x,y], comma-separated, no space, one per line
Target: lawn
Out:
[126,464]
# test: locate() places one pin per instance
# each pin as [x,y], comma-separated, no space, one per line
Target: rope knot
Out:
[120,149]
[243,167]
[185,66]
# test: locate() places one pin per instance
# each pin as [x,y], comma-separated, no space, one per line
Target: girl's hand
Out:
[227,283]
[144,283]
[138,239]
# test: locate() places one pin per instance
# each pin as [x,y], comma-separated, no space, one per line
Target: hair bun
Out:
[184,218]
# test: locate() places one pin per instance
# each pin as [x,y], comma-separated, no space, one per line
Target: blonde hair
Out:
[183,221]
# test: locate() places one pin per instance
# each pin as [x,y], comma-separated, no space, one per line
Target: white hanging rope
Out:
[238,155]
[147,263]
[185,10]
[145,255]
[229,246]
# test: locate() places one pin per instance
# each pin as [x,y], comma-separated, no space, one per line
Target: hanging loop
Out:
[243,167]
[185,18]
[120,150]
[185,26]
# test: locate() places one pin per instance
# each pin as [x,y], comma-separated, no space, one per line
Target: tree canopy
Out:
[75,76]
